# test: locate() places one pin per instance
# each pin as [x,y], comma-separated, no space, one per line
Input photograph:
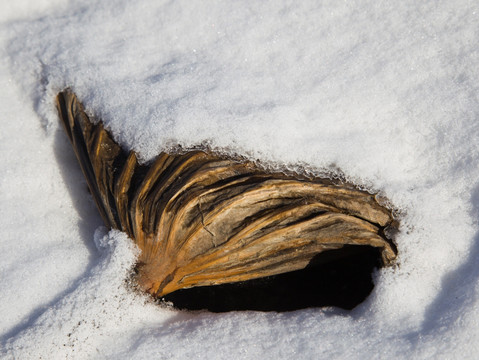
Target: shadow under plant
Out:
[88,222]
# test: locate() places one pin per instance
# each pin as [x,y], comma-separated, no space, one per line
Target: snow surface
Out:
[385,91]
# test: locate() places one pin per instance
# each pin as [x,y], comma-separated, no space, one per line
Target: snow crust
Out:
[385,92]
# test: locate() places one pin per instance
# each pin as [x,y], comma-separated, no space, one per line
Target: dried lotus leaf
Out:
[203,219]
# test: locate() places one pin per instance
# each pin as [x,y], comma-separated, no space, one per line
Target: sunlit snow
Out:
[386,92]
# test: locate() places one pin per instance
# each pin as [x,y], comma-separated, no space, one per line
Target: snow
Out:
[385,92]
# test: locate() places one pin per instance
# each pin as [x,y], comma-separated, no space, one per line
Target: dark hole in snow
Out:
[341,278]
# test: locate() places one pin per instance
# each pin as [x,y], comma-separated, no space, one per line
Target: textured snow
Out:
[386,92]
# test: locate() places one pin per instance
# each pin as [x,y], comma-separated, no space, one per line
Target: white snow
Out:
[387,92]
